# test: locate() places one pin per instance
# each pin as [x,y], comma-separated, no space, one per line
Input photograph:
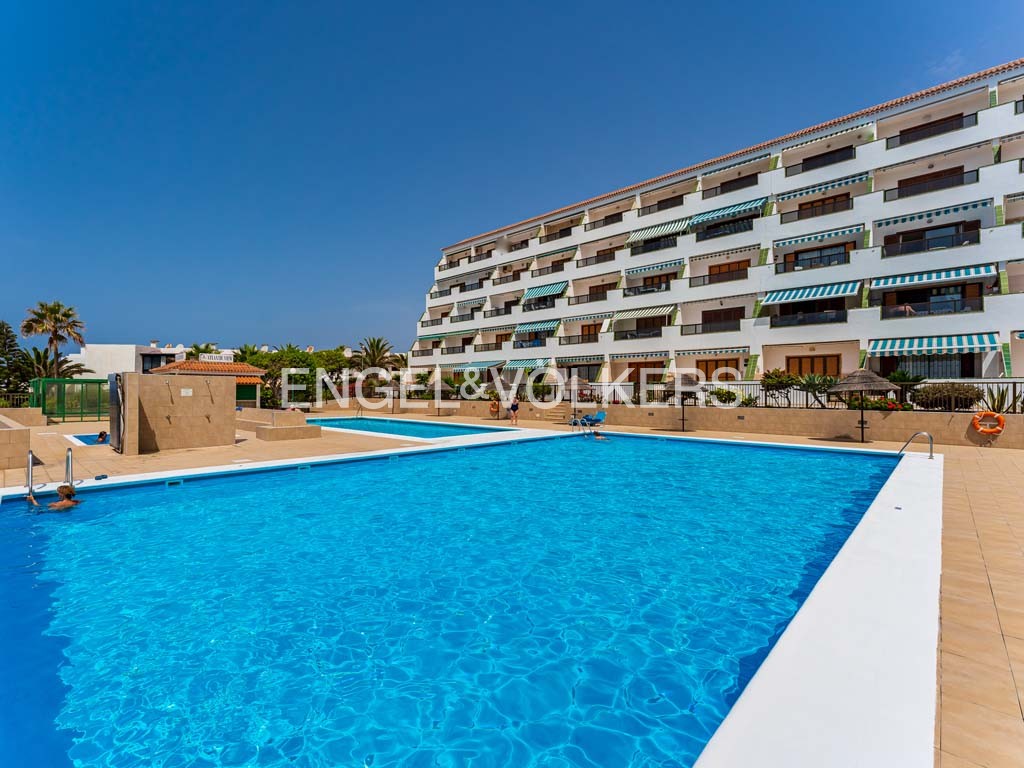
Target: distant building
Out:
[248,378]
[105,359]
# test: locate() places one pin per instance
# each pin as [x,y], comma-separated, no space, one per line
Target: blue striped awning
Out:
[661,230]
[713,352]
[542,325]
[640,355]
[935,345]
[478,366]
[833,291]
[538,362]
[933,213]
[580,359]
[472,303]
[581,318]
[730,210]
[552,289]
[943,276]
[655,267]
[819,236]
[836,184]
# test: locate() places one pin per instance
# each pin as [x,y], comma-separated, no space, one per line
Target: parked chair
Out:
[596,420]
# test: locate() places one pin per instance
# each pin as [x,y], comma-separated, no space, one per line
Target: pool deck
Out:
[980,676]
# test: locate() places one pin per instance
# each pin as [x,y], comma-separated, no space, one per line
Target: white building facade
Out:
[890,239]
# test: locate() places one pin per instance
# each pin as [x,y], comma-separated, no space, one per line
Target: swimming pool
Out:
[92,439]
[404,427]
[555,602]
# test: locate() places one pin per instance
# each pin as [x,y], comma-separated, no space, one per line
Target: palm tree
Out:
[374,352]
[246,352]
[289,348]
[193,352]
[43,365]
[56,321]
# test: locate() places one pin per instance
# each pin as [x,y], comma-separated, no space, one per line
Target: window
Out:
[501,338]
[722,315]
[585,372]
[602,288]
[590,329]
[738,183]
[653,373]
[825,205]
[828,158]
[649,323]
[708,367]
[957,366]
[657,279]
[731,266]
[823,365]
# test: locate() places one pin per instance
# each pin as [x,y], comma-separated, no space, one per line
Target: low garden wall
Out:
[14,444]
[27,417]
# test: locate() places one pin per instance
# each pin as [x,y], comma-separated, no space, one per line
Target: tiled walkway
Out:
[981,643]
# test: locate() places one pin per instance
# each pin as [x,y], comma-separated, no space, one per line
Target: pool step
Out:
[559,413]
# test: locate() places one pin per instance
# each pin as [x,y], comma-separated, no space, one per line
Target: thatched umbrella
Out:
[681,380]
[862,380]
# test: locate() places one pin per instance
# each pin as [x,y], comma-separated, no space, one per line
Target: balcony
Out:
[587,338]
[449,265]
[728,228]
[928,130]
[813,262]
[508,278]
[443,292]
[519,246]
[972,237]
[558,266]
[487,347]
[548,302]
[643,290]
[820,161]
[480,257]
[422,352]
[653,245]
[809,318]
[1018,107]
[472,286]
[731,186]
[813,211]
[461,318]
[529,343]
[931,185]
[497,311]
[718,326]
[721,277]
[611,218]
[454,350]
[600,258]
[564,232]
[940,305]
[663,205]
[429,323]
[586,298]
[643,333]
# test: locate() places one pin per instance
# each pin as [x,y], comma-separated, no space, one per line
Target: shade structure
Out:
[817,237]
[552,289]
[472,302]
[821,136]
[838,183]
[660,230]
[833,291]
[863,380]
[434,336]
[922,215]
[713,352]
[935,345]
[933,278]
[538,362]
[580,359]
[582,318]
[655,267]
[463,367]
[541,325]
[728,211]
[630,314]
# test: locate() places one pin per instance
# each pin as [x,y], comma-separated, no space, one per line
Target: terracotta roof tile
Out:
[210,367]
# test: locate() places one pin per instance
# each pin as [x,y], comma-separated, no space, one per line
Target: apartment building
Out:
[892,238]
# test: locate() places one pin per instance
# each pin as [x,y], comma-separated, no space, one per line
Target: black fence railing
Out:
[813,262]
[611,218]
[533,306]
[565,232]
[730,186]
[480,257]
[454,350]
[663,205]
[520,245]
[600,258]
[464,318]
[809,318]
[497,311]
[643,333]
[929,130]
[717,326]
[649,246]
[529,343]
[728,228]
[820,161]
[972,237]
[443,292]
[558,266]
[940,305]
[508,278]
[720,277]
[586,298]
[930,185]
[471,286]
[489,347]
[641,290]
[584,338]
[429,323]
[449,265]
[422,352]
[812,211]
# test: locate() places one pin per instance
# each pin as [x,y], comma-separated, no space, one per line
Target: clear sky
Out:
[287,172]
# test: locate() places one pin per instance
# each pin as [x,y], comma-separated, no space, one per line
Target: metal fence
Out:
[14,399]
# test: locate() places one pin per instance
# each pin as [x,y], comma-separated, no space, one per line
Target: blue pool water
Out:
[91,439]
[563,602]
[404,427]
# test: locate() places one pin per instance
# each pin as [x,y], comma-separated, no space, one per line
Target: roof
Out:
[209,368]
[885,106]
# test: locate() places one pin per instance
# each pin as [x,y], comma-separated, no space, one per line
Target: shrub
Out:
[777,380]
[946,396]
[748,401]
[902,377]
[817,385]
[723,396]
[999,400]
[877,404]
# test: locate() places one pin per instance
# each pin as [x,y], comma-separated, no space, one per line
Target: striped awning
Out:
[943,276]
[836,184]
[498,329]
[713,352]
[581,318]
[728,211]
[935,345]
[558,252]
[1020,335]
[833,291]
[640,355]
[933,213]
[828,135]
[478,366]
[472,302]
[819,236]
[661,230]
[631,314]
[655,267]
[538,362]
[729,252]
[579,359]
[542,325]
[552,289]
[434,336]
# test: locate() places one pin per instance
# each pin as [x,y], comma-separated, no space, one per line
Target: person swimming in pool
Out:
[513,411]
[65,499]
[598,436]
[101,438]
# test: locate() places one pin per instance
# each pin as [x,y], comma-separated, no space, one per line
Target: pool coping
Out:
[479,429]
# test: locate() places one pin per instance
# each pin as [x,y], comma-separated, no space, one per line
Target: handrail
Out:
[69,468]
[28,470]
[931,443]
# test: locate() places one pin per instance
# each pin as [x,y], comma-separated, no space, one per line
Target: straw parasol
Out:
[684,380]
[862,380]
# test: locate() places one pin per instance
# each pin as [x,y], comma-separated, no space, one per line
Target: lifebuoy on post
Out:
[982,423]
[494,408]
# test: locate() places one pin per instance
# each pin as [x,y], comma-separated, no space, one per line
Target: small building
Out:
[101,360]
[248,378]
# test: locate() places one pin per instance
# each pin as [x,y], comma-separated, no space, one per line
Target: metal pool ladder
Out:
[931,443]
[69,468]
[28,471]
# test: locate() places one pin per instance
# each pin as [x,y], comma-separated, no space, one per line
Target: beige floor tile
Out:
[979,683]
[981,735]
[987,648]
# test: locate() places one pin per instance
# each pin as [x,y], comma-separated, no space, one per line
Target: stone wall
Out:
[170,412]
[14,444]
[27,417]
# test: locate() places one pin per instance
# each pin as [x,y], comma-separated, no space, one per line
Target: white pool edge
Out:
[852,680]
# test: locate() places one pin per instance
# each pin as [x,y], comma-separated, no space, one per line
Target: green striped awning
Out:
[478,366]
[713,352]
[935,345]
[640,355]
[472,303]
[538,362]
[730,210]
[558,252]
[552,289]
[498,329]
[661,230]
[1020,336]
[581,318]
[655,267]
[630,314]
[828,135]
[836,184]
[542,325]
[943,276]
[579,359]
[933,213]
[819,236]
[433,336]
[833,291]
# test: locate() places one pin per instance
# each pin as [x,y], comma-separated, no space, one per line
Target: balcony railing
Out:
[472,286]
[611,218]
[971,237]
[600,258]
[812,211]
[519,246]
[1018,107]
[937,128]
[453,350]
[566,232]
[940,305]
[558,266]
[449,265]
[641,290]
[461,318]
[820,161]
[730,186]
[721,277]
[653,245]
[809,318]
[586,338]
[931,185]
[480,257]
[729,228]
[717,326]
[529,343]
[663,205]
[643,333]
[813,262]
[422,352]
[508,278]
[429,323]
[586,298]
[443,292]
[497,311]
[533,306]
[487,347]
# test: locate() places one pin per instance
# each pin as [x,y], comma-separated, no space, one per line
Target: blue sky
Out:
[274,172]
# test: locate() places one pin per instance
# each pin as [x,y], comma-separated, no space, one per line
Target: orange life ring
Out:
[976,422]
[494,406]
